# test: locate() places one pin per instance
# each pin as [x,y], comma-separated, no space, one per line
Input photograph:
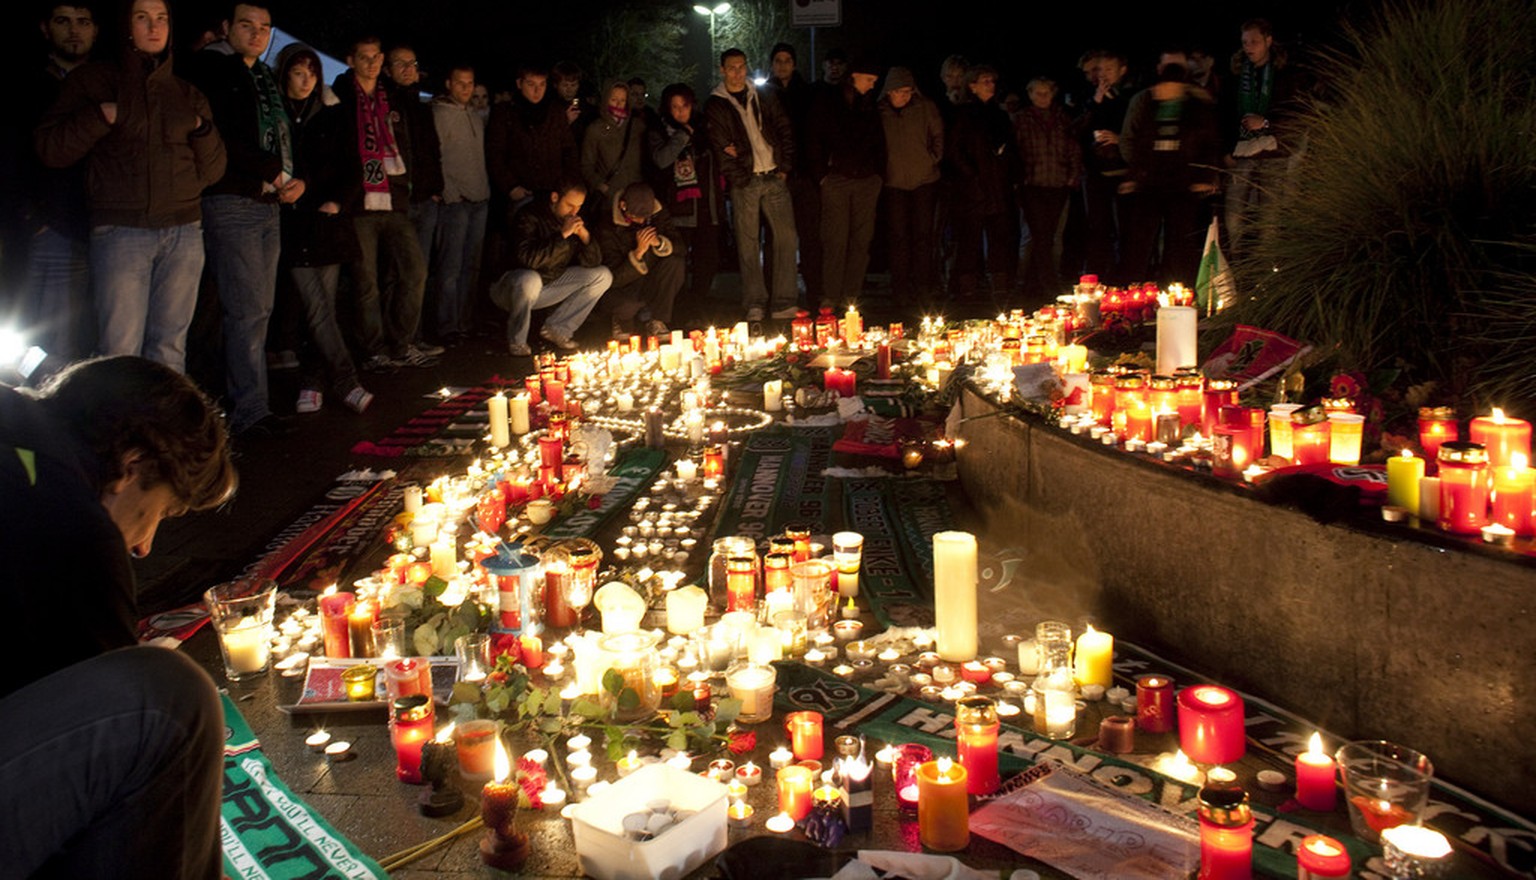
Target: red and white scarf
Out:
[376,146]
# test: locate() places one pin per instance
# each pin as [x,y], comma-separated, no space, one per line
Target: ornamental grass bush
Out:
[1406,245]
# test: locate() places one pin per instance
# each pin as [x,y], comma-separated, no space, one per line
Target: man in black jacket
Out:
[754,150]
[846,142]
[548,237]
[639,247]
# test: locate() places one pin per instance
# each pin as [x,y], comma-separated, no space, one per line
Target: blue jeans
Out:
[387,328]
[765,196]
[59,310]
[112,767]
[317,291]
[243,246]
[146,289]
[460,235]
[576,291]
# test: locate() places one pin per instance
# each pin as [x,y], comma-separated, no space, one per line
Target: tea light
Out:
[317,741]
[749,774]
[1178,766]
[552,796]
[597,788]
[859,650]
[783,823]
[581,758]
[584,776]
[628,764]
[722,769]
[1117,694]
[943,673]
[1415,851]
[847,630]
[537,756]
[681,761]
[739,815]
[1322,858]
[1092,692]
[1498,535]
[735,790]
[780,758]
[815,657]
[974,671]
[843,671]
[1006,709]
[886,757]
[920,679]
[579,742]
[889,655]
[339,751]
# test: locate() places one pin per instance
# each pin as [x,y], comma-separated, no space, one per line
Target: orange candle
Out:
[1102,386]
[1503,437]
[1138,421]
[1463,488]
[795,783]
[475,743]
[943,814]
[805,735]
[1512,491]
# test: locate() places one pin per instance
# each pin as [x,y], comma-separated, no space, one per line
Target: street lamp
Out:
[717,10]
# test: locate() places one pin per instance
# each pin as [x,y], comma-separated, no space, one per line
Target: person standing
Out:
[796,96]
[754,150]
[914,148]
[425,174]
[465,205]
[1103,117]
[150,147]
[984,153]
[846,146]
[1051,164]
[1258,118]
[690,188]
[611,151]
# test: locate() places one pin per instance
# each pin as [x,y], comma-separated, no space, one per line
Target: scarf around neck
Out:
[1253,96]
[273,130]
[376,147]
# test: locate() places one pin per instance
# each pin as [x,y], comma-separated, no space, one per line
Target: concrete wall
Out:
[1370,636]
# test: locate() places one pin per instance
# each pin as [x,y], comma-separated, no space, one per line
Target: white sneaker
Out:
[558,340]
[519,349]
[754,315]
[786,314]
[309,402]
[358,399]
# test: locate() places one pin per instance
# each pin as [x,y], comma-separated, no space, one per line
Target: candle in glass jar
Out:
[475,744]
[1512,491]
[1502,436]
[1211,724]
[795,784]
[1463,488]
[1315,787]
[1226,829]
[943,813]
[805,734]
[409,728]
[1345,431]
[1280,429]
[976,730]
[1309,441]
[1320,857]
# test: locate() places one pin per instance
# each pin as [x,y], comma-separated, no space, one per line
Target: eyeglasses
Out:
[415,64]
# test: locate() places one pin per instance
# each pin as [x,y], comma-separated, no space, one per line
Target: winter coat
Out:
[617,236]
[984,155]
[846,136]
[539,246]
[727,128]
[914,142]
[529,146]
[231,90]
[670,144]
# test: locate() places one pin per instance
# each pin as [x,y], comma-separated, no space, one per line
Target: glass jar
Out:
[976,730]
[556,562]
[776,572]
[1101,384]
[1218,393]
[1054,688]
[801,536]
[753,684]
[1191,399]
[1437,424]
[741,583]
[630,691]
[1164,393]
[813,591]
[720,554]
[517,578]
[410,726]
[1463,487]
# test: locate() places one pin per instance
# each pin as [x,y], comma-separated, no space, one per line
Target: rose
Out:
[742,741]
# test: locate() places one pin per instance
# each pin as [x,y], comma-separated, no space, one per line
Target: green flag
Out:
[1213,283]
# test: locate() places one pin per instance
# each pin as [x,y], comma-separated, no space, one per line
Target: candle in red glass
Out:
[1138,421]
[909,757]
[407,676]
[551,451]
[1102,386]
[1320,857]
[1154,703]
[1191,399]
[740,583]
[1165,393]
[1130,391]
[795,783]
[1314,777]
[714,462]
[559,426]
[1503,437]
[533,386]
[554,392]
[557,569]
[409,727]
[804,735]
[883,360]
[1512,496]
[1463,487]
[1211,724]
[334,611]
[1436,425]
[1229,450]
[1218,393]
[1309,441]
[1226,829]
[976,729]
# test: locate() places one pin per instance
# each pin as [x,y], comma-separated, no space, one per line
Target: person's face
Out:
[70,31]
[734,72]
[366,60]
[301,81]
[863,82]
[137,509]
[1041,95]
[618,102]
[1091,72]
[833,70]
[953,76]
[985,87]
[1256,46]
[250,31]
[681,109]
[149,26]
[480,97]
[403,68]
[1168,58]
[1199,63]
[782,65]
[1111,70]
[568,205]
[532,87]
[900,97]
[636,96]
[461,86]
[567,88]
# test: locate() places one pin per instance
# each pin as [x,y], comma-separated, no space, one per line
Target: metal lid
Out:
[1437,413]
[1463,452]
[1223,802]
[1164,383]
[415,707]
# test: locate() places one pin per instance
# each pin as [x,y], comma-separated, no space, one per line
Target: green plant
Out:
[1405,236]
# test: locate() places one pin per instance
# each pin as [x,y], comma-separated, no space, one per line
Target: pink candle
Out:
[1154,703]
[1320,857]
[1314,778]
[1211,724]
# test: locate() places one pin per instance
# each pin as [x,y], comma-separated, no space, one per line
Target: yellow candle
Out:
[517,414]
[1093,657]
[954,591]
[1345,430]
[498,409]
[1403,475]
[943,814]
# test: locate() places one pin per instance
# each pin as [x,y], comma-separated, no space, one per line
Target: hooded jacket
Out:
[148,169]
[727,129]
[529,146]
[617,237]
[914,136]
[612,150]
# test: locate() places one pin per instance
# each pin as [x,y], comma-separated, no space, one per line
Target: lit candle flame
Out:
[446,734]
[1315,745]
[1323,847]
[503,763]
[1498,415]
[1407,453]
[329,591]
[943,768]
[1518,461]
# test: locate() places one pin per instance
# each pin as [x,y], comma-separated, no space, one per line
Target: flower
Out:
[594,502]
[742,741]
[533,779]
[508,644]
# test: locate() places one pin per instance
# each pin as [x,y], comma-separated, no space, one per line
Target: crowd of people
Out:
[356,227]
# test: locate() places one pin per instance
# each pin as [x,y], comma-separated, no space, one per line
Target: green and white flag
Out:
[1213,284]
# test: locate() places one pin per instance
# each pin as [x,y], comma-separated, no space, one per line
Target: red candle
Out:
[409,728]
[909,756]
[1154,703]
[533,386]
[554,391]
[975,671]
[1211,724]
[1102,386]
[1321,858]
[1463,488]
[1138,421]
[1226,829]
[1512,501]
[1503,437]
[406,677]
[804,735]
[551,452]
[1436,425]
[795,783]
[1191,400]
[1314,778]
[1229,451]
[976,729]
[1218,393]
[883,360]
[532,650]
[1309,442]
[335,608]
[714,462]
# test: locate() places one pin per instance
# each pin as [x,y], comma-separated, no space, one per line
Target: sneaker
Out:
[754,315]
[785,314]
[654,327]
[620,332]
[519,349]
[358,399]
[377,363]
[558,340]
[309,402]
[413,357]
[429,349]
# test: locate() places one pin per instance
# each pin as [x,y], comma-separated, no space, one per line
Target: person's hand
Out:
[568,226]
[730,150]
[580,231]
[1127,187]
[330,208]
[519,193]
[572,112]
[782,175]
[290,192]
[645,239]
[109,112]
[1253,122]
[1105,137]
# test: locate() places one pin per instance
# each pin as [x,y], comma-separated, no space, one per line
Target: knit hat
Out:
[899,78]
[865,64]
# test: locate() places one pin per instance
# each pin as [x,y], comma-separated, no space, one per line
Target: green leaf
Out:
[684,719]
[678,740]
[682,701]
[425,640]
[465,692]
[613,682]
[434,586]
[410,597]
[497,701]
[549,725]
[727,710]
[587,707]
[629,699]
[467,615]
[553,703]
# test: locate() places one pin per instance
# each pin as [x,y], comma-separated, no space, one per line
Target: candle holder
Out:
[241,612]
[439,760]
[1385,785]
[1226,829]
[1415,853]
[908,757]
[976,730]
[410,727]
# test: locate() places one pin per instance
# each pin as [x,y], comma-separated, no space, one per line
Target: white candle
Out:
[412,498]
[498,408]
[518,414]
[444,556]
[1429,499]
[773,395]
[625,401]
[1176,338]
[954,592]
[685,609]
[247,646]
[687,470]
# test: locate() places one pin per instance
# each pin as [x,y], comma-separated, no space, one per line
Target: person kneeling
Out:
[639,247]
[558,262]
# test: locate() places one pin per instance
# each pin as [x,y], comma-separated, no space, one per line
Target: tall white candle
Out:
[498,408]
[445,556]
[1176,338]
[954,594]
[518,414]
[773,395]
[412,498]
